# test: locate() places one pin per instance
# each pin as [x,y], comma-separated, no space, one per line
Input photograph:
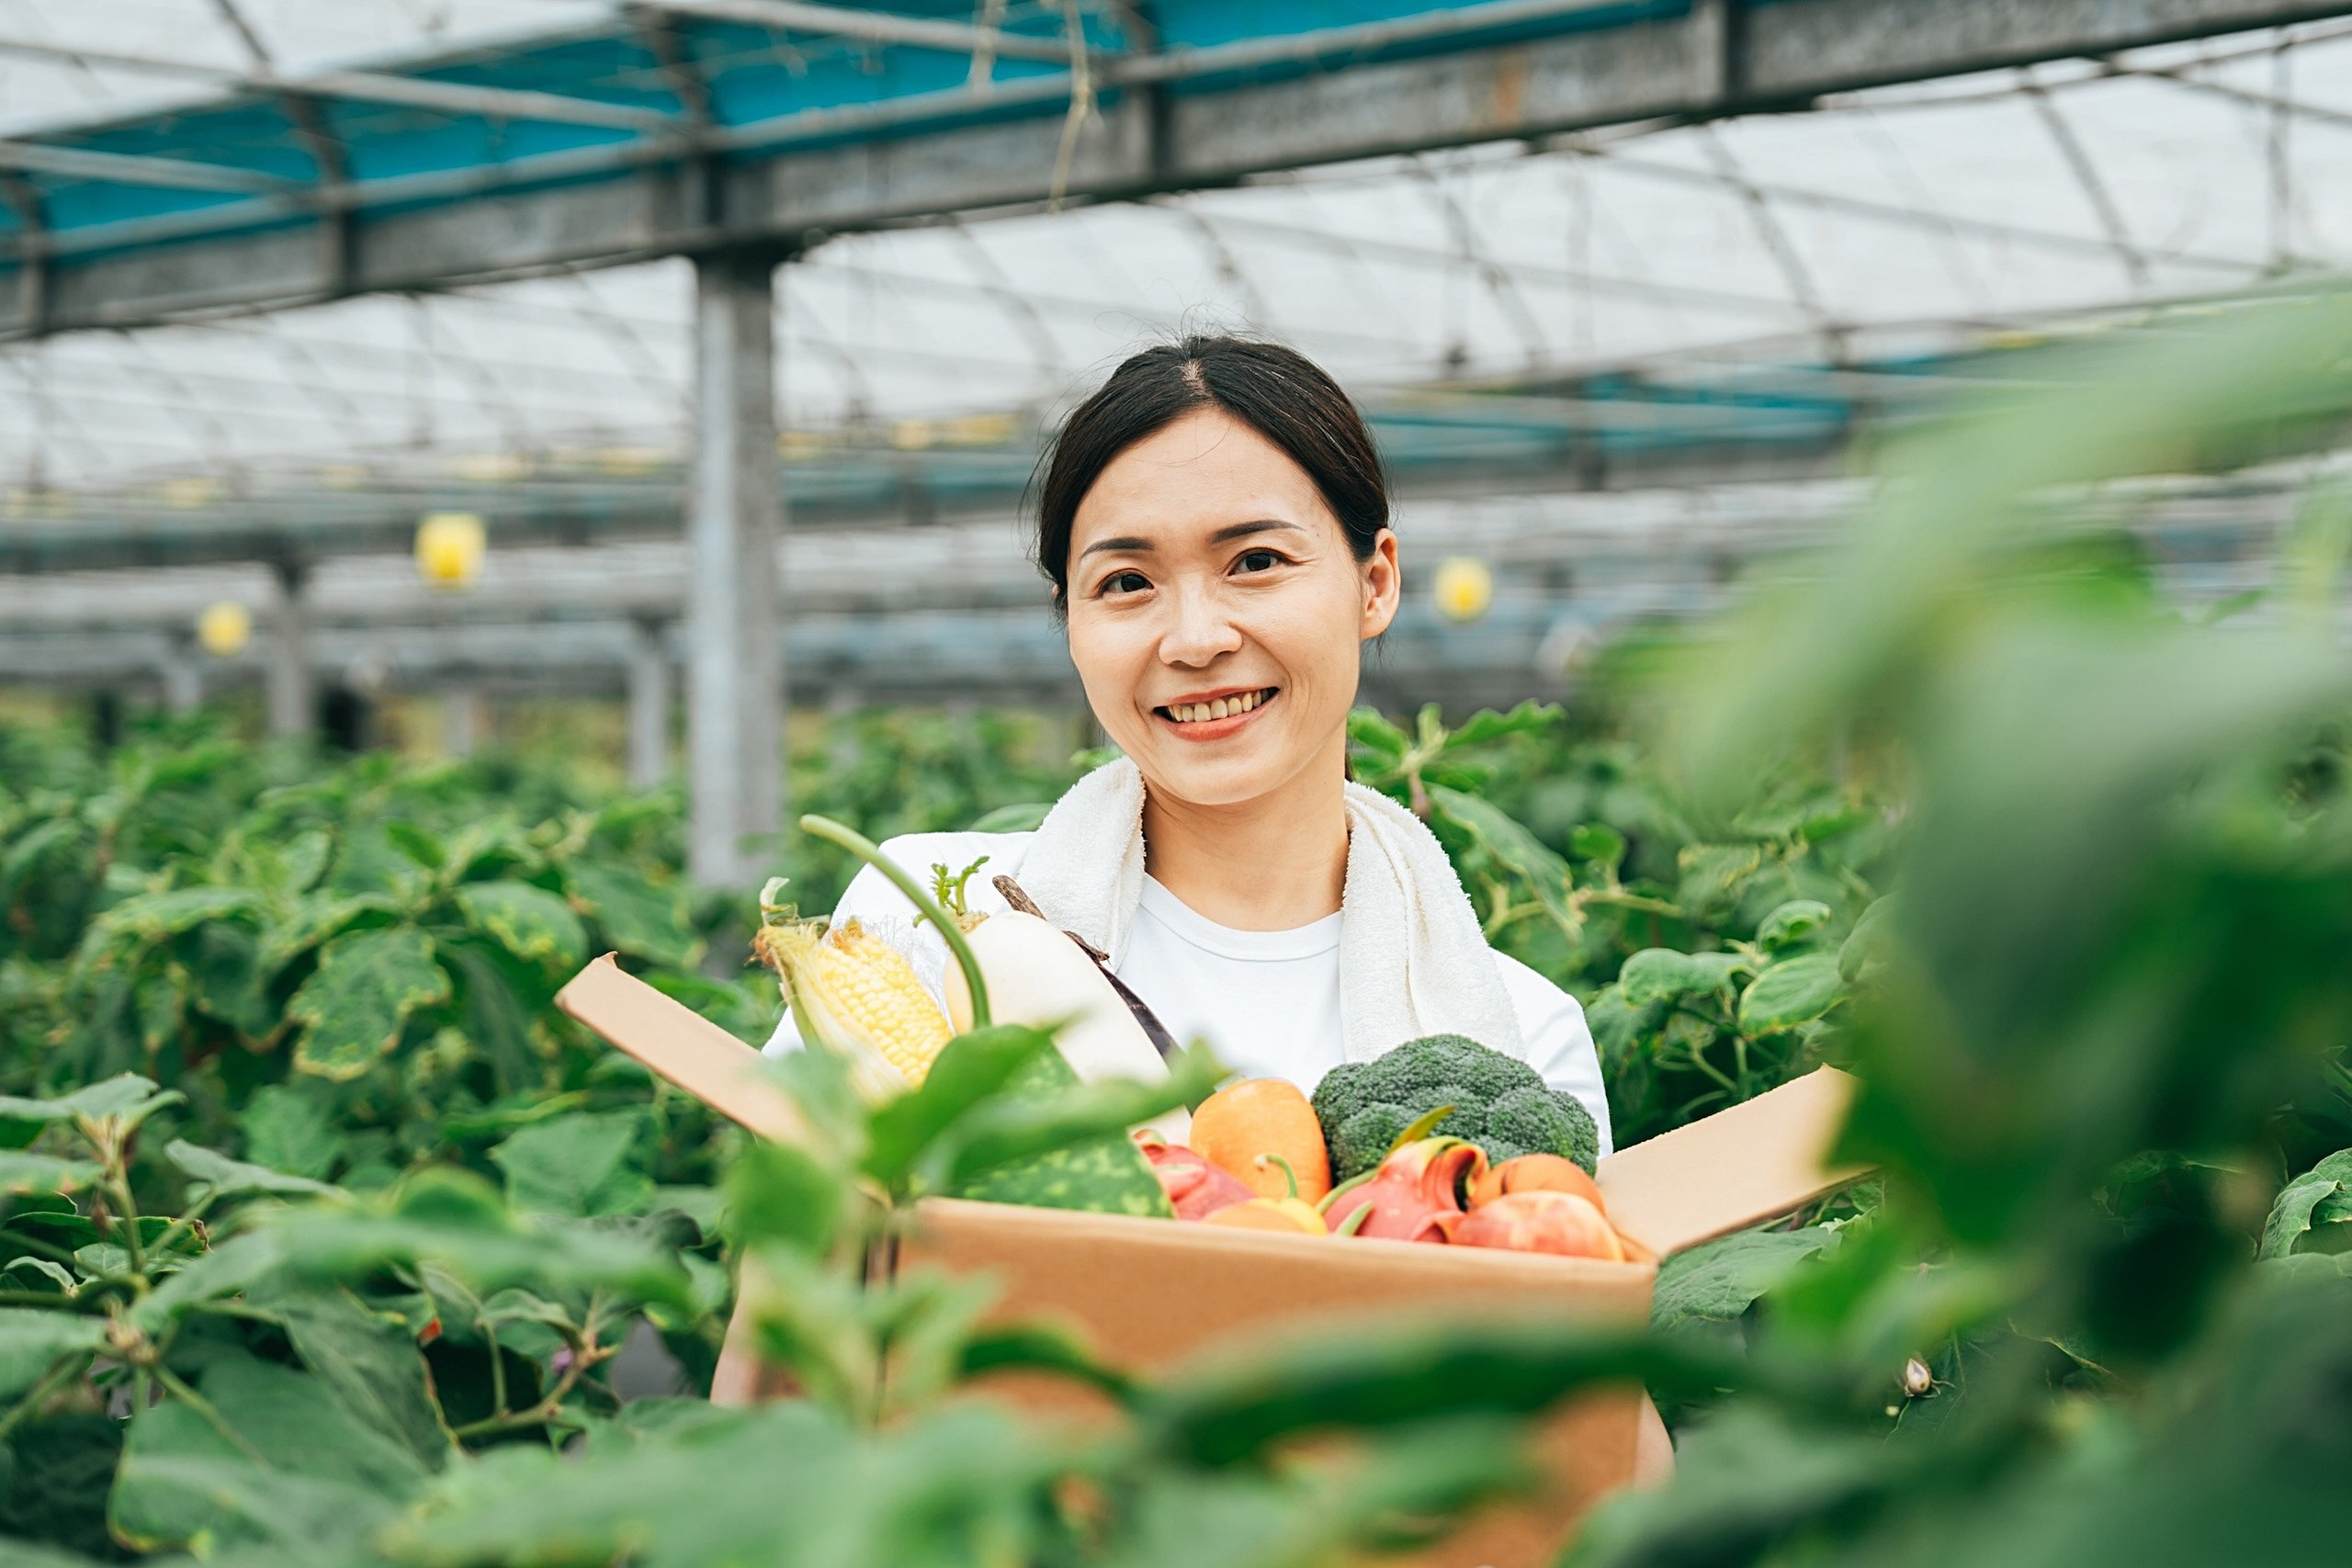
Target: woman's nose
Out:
[1201,631]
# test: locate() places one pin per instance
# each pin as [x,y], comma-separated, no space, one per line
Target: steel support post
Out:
[293,707]
[182,678]
[734,644]
[648,707]
[461,720]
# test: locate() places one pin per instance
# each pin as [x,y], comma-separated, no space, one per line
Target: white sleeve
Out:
[1559,1045]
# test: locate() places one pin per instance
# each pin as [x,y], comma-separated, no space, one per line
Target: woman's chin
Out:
[1181,770]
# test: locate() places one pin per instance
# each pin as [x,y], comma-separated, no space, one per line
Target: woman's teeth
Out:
[1221,707]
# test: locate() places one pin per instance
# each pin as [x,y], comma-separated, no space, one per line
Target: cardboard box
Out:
[1149,1293]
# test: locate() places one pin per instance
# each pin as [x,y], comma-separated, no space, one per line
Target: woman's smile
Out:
[1213,716]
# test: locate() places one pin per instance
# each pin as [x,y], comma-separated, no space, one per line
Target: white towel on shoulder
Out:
[1413,960]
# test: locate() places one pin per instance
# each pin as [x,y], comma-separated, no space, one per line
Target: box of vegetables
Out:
[1439,1179]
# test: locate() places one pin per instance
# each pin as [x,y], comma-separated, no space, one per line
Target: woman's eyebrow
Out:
[1132,546]
[1243,530]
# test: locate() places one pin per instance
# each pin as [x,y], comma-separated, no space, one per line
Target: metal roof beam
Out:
[1778,243]
[464,98]
[831,171]
[870,26]
[371,86]
[1845,203]
[136,169]
[2084,168]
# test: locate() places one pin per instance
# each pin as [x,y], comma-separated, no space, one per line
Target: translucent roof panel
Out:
[1881,230]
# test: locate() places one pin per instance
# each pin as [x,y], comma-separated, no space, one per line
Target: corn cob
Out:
[857,994]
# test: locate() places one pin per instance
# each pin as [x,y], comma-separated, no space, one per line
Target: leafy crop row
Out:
[342,972]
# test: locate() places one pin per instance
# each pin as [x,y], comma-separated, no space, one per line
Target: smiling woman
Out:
[1214,522]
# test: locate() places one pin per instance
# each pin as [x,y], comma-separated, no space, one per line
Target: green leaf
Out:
[959,1486]
[1722,1278]
[291,1468]
[1367,729]
[29,1271]
[316,919]
[417,845]
[1407,1490]
[151,917]
[1616,1024]
[478,843]
[1240,1404]
[126,1100]
[227,1176]
[1791,992]
[288,1128]
[1866,945]
[495,1019]
[64,1465]
[577,1165]
[1040,1346]
[782,1193]
[454,1220]
[1794,924]
[239,1264]
[51,840]
[530,922]
[32,1340]
[229,985]
[1598,843]
[356,1003]
[49,1217]
[1752,1476]
[1530,717]
[1053,1143]
[970,1069]
[2292,1212]
[1714,873]
[369,1363]
[160,1006]
[1662,975]
[1512,846]
[1817,814]
[635,916]
[306,860]
[21,1172]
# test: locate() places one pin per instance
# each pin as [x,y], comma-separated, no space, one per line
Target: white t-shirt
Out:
[1268,1002]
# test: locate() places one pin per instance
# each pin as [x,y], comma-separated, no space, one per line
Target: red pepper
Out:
[1195,1188]
[1413,1195]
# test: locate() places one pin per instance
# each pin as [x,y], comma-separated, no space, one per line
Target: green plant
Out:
[347,971]
[1587,867]
[2101,1018]
[294,1362]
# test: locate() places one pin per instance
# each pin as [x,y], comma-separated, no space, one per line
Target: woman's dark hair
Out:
[1276,391]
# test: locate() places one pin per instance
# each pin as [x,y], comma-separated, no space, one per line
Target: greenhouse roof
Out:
[1540,310]
[606,133]
[1628,288]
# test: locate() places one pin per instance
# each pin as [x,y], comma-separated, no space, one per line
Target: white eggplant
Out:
[1038,976]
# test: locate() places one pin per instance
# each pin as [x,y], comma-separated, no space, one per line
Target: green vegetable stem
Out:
[864,849]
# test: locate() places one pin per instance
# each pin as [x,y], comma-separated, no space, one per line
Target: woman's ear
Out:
[1383,587]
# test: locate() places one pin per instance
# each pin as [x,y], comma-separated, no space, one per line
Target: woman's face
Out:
[1216,612]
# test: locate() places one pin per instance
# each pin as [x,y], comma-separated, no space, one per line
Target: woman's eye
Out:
[1259,561]
[1126,582]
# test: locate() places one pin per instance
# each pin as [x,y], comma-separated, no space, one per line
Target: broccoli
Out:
[1502,1104]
